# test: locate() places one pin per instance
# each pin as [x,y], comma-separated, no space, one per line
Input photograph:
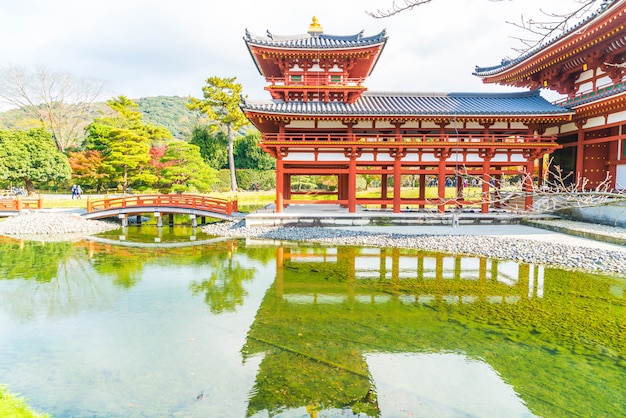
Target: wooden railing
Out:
[190,201]
[591,93]
[18,203]
[315,80]
[423,140]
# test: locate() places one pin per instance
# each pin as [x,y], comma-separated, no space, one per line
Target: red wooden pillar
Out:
[580,149]
[383,188]
[422,188]
[540,171]
[352,183]
[459,190]
[441,184]
[613,156]
[528,185]
[497,184]
[397,182]
[280,176]
[485,180]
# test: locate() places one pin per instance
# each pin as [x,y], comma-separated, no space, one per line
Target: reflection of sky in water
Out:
[79,345]
[441,385]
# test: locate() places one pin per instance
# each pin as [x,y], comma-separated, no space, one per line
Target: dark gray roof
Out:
[419,104]
[316,41]
[508,63]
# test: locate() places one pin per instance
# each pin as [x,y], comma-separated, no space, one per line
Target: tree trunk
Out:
[30,189]
[125,183]
[231,160]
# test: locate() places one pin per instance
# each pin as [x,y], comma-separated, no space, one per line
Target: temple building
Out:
[322,120]
[587,64]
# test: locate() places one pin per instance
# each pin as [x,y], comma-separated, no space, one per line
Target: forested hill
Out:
[167,111]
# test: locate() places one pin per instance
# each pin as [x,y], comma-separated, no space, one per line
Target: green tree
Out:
[222,97]
[31,157]
[184,168]
[125,141]
[248,153]
[213,146]
[129,153]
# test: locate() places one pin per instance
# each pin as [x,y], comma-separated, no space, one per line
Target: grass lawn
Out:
[249,201]
[14,407]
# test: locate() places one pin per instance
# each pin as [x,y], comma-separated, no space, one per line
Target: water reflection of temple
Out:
[413,279]
[332,311]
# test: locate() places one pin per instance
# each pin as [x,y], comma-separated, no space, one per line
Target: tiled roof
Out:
[593,96]
[508,63]
[419,104]
[315,41]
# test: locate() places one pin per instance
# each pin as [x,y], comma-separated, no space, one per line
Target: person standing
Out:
[79,192]
[74,191]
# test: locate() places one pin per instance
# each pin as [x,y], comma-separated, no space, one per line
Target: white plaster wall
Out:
[301,124]
[585,86]
[620,176]
[330,124]
[500,158]
[553,130]
[604,81]
[384,157]
[617,117]
[427,157]
[472,158]
[595,122]
[429,125]
[568,127]
[384,124]
[300,156]
[364,124]
[518,125]
[586,75]
[332,157]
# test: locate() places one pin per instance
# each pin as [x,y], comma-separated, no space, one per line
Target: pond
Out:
[111,327]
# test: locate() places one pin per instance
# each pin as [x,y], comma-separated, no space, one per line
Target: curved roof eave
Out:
[317,41]
[427,105]
[509,64]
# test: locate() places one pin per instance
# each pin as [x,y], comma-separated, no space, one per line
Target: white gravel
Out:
[512,242]
[52,226]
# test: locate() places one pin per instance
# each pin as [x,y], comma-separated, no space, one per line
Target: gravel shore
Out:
[544,248]
[52,226]
[512,242]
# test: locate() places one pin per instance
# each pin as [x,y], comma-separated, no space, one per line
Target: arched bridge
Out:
[191,204]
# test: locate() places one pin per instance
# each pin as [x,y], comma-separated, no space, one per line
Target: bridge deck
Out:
[198,205]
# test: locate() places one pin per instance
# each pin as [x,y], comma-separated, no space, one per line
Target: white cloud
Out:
[148,48]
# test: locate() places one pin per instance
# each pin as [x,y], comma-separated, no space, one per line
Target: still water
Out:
[228,328]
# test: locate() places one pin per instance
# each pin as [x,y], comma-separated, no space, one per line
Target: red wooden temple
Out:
[322,120]
[587,64]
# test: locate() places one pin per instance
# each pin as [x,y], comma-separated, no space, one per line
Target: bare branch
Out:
[552,24]
[60,101]
[549,25]
[397,7]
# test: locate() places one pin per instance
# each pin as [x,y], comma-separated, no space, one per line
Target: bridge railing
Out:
[190,201]
[18,203]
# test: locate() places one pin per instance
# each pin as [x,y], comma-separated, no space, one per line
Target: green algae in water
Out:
[302,330]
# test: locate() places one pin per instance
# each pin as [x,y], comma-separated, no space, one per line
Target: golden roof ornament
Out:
[315,28]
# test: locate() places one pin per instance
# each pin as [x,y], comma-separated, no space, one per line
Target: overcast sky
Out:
[145,48]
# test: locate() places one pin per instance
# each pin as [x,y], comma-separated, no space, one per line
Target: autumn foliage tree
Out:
[87,168]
